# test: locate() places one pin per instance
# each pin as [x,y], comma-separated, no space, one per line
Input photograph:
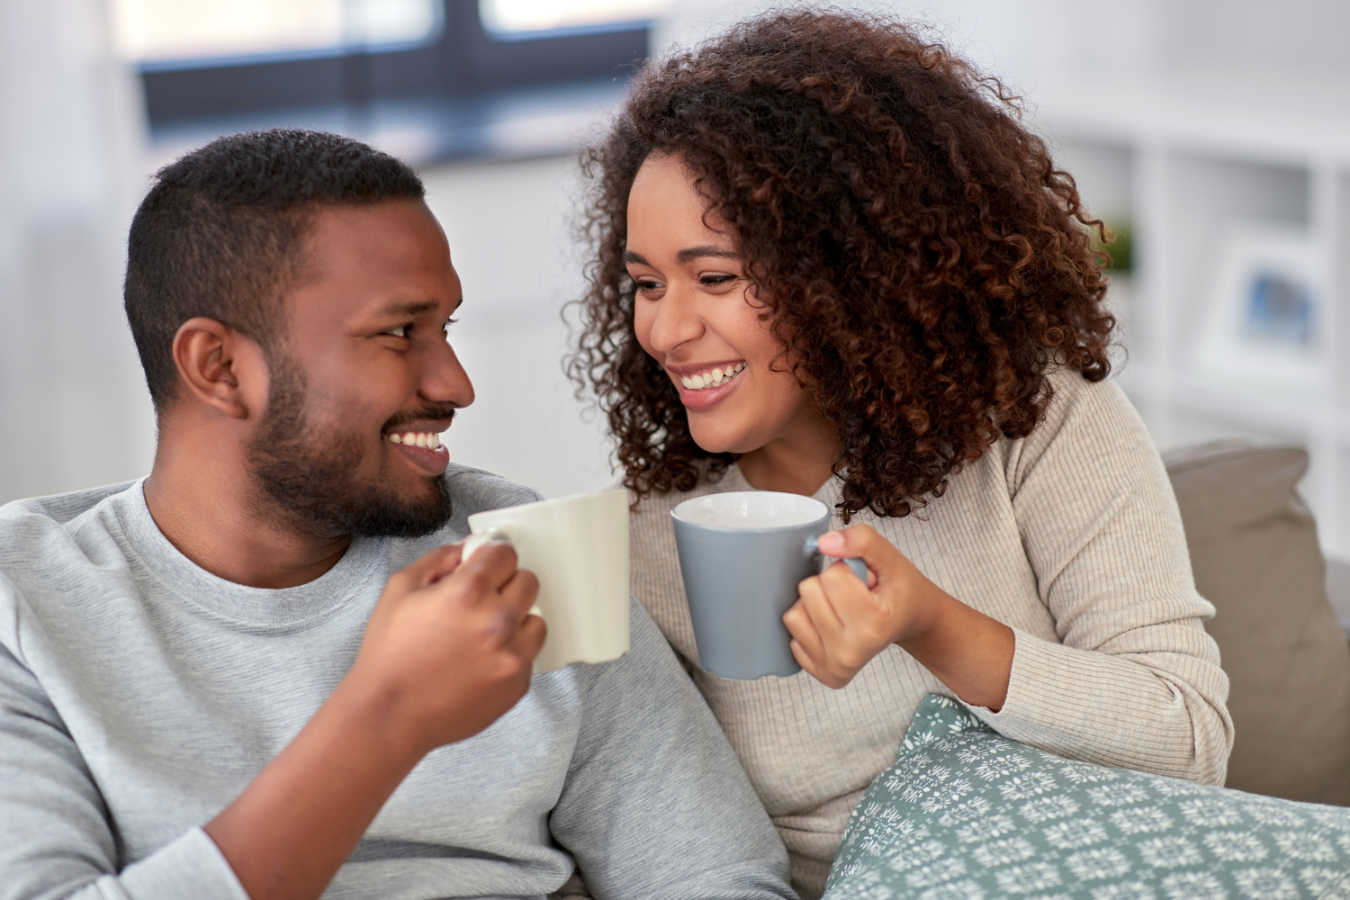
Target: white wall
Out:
[509,226]
[73,411]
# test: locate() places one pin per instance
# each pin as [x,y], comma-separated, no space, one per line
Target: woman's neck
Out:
[798,462]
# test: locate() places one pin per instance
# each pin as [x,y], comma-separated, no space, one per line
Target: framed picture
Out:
[1266,320]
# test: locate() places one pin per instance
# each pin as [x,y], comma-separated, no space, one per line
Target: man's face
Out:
[365,378]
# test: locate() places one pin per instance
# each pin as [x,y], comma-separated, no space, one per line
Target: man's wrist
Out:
[373,711]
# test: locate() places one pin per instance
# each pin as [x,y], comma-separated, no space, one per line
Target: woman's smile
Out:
[708,387]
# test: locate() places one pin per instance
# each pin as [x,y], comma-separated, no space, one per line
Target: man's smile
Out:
[419,442]
[429,439]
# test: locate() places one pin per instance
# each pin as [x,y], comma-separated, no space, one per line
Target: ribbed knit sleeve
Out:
[1131,678]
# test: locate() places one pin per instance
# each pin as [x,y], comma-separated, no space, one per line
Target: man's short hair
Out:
[222,229]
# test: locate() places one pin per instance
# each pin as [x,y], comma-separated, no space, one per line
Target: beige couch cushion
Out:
[1253,546]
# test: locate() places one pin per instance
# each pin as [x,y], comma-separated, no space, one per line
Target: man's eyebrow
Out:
[409,308]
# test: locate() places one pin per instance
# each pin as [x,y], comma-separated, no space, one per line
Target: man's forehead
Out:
[368,265]
[371,226]
[400,238]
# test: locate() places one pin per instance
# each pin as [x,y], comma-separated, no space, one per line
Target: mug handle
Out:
[855,563]
[474,542]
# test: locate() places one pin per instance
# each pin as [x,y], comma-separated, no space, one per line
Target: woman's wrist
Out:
[927,606]
[965,649]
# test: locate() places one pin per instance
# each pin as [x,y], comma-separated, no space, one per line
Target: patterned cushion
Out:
[966,813]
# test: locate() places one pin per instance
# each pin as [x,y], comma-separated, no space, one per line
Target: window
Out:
[159,31]
[506,18]
[223,65]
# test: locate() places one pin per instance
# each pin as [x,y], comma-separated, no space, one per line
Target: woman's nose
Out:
[677,321]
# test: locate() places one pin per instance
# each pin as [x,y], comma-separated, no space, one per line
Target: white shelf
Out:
[1219,116]
[1191,164]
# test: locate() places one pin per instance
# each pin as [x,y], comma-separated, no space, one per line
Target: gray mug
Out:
[742,555]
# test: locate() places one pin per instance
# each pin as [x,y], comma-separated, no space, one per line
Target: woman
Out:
[831,261]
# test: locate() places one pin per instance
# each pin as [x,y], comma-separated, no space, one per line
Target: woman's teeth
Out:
[429,439]
[714,378]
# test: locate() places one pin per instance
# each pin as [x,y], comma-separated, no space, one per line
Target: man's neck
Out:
[204,502]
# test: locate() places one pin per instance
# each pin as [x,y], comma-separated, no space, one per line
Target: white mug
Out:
[578,549]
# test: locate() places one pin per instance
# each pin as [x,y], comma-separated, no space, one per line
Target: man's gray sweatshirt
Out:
[139,695]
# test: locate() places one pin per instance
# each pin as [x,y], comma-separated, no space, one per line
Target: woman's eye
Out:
[400,331]
[715,280]
[647,286]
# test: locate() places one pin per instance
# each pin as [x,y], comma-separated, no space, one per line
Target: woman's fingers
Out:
[812,597]
[808,663]
[832,638]
[862,541]
[804,632]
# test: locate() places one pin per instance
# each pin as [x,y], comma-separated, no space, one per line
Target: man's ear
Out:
[220,367]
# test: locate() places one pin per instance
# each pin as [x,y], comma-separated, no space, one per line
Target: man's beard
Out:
[310,476]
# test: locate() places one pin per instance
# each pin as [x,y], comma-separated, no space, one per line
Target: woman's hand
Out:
[838,624]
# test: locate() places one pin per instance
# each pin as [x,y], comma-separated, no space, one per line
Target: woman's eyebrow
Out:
[692,253]
[685,255]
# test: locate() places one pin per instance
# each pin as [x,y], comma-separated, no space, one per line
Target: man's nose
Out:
[444,379]
[677,321]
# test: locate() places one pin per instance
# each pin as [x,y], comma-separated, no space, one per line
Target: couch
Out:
[1254,550]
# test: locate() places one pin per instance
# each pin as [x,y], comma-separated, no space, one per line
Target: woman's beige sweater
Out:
[1072,537]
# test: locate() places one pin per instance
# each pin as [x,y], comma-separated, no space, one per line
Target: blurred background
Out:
[1213,136]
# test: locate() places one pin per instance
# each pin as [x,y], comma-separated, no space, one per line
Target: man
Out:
[212,686]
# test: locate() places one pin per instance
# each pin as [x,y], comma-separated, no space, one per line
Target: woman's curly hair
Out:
[924,263]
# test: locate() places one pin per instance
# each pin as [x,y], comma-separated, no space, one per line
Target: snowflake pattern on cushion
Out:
[967,814]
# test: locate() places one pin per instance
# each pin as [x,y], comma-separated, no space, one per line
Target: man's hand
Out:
[838,624]
[447,652]
[450,646]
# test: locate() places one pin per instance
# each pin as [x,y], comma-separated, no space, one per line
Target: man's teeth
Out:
[429,439]
[713,378]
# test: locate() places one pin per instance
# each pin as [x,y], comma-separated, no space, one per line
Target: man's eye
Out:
[446,327]
[400,331]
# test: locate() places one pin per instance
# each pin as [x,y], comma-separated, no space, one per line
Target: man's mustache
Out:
[420,415]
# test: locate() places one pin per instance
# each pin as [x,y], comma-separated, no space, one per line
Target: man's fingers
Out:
[431,566]
[530,636]
[521,591]
[494,564]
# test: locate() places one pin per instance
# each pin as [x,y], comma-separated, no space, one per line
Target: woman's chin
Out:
[719,441]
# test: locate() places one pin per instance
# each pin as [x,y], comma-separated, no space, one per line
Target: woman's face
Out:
[696,315]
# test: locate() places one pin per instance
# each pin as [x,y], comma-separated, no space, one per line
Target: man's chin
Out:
[323,499]
[373,510]
[393,517]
